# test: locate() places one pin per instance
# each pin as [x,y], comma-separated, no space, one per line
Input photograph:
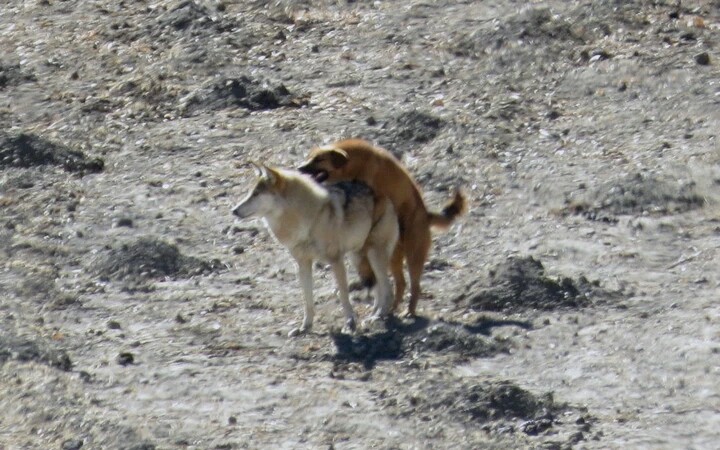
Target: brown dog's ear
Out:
[338,157]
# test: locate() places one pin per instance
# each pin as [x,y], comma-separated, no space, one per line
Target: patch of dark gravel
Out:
[368,349]
[418,338]
[242,92]
[149,258]
[492,405]
[542,29]
[535,25]
[26,350]
[167,24]
[639,193]
[408,129]
[457,338]
[13,75]
[28,150]
[520,283]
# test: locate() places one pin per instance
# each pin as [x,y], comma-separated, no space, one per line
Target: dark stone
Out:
[72,444]
[125,358]
[702,59]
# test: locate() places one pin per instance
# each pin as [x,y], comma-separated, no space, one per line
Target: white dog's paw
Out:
[295,332]
[376,322]
[350,326]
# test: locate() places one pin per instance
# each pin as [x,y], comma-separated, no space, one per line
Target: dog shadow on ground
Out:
[419,335]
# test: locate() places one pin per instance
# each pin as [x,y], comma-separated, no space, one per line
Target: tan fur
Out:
[355,159]
[325,223]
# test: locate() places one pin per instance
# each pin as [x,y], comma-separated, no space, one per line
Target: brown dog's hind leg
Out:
[417,249]
[365,272]
[396,268]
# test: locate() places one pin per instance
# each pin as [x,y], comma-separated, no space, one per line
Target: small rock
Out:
[143,446]
[576,437]
[124,222]
[125,358]
[72,444]
[232,420]
[599,55]
[535,427]
[114,325]
[703,59]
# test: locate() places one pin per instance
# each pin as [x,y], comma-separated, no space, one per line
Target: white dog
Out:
[325,222]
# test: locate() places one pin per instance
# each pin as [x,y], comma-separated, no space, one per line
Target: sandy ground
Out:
[574,306]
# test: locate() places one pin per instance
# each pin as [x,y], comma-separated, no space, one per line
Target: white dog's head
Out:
[261,201]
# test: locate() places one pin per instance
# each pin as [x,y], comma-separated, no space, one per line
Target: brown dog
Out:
[355,159]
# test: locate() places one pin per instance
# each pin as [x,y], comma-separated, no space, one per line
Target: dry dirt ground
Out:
[575,306]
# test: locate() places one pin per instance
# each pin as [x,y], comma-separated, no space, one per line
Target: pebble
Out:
[703,59]
[72,444]
[125,358]
[124,222]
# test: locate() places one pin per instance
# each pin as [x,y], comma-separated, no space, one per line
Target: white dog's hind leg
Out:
[304,276]
[338,267]
[383,291]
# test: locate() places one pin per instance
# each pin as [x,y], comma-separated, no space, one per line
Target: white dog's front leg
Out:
[304,276]
[338,267]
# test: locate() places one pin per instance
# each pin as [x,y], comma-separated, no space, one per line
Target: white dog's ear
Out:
[274,176]
[258,168]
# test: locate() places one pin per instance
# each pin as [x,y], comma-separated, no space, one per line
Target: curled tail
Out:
[452,210]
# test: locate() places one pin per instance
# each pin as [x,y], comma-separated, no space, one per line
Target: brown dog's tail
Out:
[455,208]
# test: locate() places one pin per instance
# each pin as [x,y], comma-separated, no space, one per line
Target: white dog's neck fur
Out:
[290,225]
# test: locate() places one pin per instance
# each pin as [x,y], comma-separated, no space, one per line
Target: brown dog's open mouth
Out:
[317,175]
[320,176]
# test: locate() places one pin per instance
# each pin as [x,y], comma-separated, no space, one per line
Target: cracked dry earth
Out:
[574,306]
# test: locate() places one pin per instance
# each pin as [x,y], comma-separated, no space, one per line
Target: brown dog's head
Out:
[325,164]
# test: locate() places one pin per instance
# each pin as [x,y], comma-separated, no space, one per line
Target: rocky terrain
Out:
[574,306]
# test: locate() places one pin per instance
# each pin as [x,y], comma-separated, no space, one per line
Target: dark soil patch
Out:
[421,337]
[25,350]
[151,258]
[456,338]
[491,401]
[28,150]
[243,92]
[368,349]
[188,15]
[521,284]
[492,405]
[541,29]
[639,193]
[166,25]
[407,130]
[13,75]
